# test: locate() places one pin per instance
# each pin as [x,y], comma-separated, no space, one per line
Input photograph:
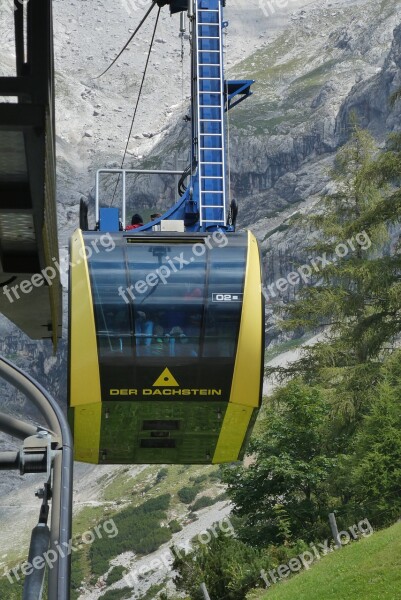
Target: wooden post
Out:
[334,529]
[204,591]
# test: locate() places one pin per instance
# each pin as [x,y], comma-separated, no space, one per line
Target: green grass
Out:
[368,569]
[8,590]
[133,489]
[87,518]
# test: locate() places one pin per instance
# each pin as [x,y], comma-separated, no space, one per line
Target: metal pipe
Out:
[32,463]
[55,517]
[97,197]
[204,591]
[32,389]
[124,199]
[182,23]
[33,584]
[15,427]
[62,470]
[9,461]
[141,171]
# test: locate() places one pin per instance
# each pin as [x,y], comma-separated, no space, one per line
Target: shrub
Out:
[199,478]
[115,574]
[202,502]
[162,474]
[175,526]
[188,494]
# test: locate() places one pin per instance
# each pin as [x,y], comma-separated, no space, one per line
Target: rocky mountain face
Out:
[314,62]
[334,60]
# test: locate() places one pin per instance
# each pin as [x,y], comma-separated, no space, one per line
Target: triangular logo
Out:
[166,379]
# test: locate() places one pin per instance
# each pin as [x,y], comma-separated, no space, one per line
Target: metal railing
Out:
[123,173]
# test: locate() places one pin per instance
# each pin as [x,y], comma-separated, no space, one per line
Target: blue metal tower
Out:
[204,205]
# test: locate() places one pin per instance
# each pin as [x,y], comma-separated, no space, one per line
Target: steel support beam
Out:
[15,427]
[16,117]
[9,461]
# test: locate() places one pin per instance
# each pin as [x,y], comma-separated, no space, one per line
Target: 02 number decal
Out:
[227,297]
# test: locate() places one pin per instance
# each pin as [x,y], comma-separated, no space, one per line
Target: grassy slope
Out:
[125,490]
[366,570]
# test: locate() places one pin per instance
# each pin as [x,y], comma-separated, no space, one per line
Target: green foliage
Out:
[152,591]
[199,478]
[11,591]
[119,594]
[375,467]
[80,565]
[115,574]
[229,568]
[358,294]
[188,494]
[175,526]
[202,502]
[215,476]
[292,463]
[162,474]
[139,530]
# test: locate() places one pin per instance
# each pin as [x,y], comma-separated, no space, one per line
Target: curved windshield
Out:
[167,299]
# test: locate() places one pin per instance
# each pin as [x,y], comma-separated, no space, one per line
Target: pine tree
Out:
[358,297]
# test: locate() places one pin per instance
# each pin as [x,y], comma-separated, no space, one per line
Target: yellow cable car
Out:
[166,346]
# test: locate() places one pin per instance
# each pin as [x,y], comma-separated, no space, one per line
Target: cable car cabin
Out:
[166,346]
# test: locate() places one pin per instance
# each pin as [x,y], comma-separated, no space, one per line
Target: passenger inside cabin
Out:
[143,332]
[136,222]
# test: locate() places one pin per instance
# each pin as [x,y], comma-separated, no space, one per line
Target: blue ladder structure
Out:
[210,114]
[204,204]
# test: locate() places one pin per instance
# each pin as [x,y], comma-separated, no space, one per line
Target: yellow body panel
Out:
[87,430]
[245,389]
[84,364]
[233,433]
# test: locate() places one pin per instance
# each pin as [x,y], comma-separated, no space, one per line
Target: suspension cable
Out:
[137,101]
[132,36]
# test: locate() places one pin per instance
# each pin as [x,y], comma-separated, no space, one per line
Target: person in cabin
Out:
[136,222]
